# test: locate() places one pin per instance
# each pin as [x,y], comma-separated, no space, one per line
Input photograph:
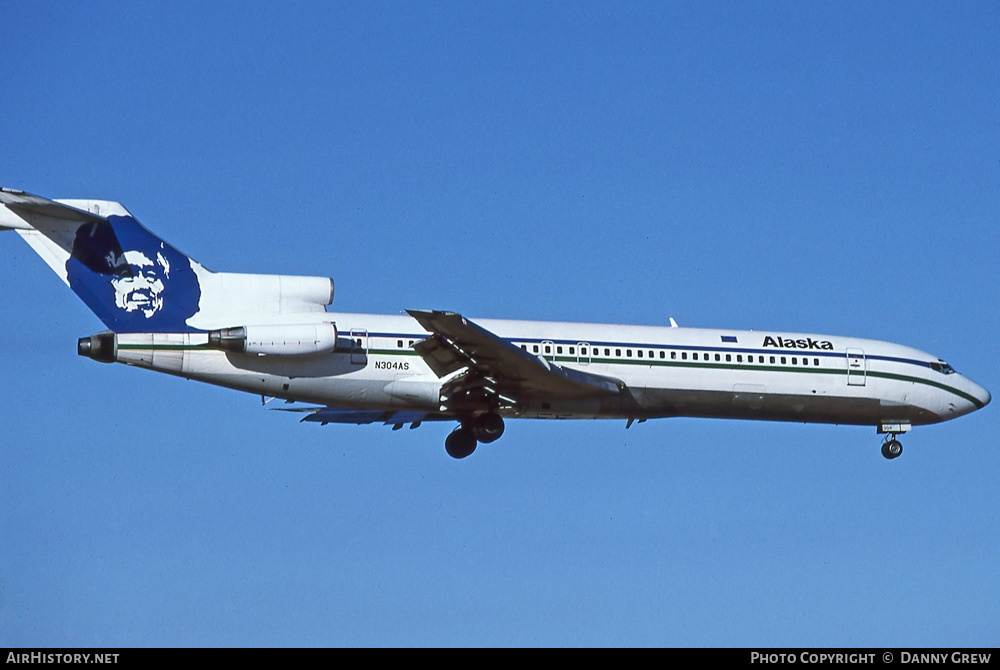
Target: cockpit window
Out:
[942,367]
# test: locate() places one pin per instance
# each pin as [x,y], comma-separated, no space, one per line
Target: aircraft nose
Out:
[977,396]
[982,395]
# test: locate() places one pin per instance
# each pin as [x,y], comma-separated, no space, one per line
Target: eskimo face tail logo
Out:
[142,289]
[132,280]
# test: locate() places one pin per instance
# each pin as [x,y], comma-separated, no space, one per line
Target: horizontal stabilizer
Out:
[26,204]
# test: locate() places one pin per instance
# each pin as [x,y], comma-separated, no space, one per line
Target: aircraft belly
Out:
[328,382]
[566,409]
[755,402]
[408,391]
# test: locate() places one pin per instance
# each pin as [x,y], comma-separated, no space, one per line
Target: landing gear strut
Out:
[463,440]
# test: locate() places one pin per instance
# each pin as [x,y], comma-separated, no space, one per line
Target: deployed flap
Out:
[441,356]
[458,343]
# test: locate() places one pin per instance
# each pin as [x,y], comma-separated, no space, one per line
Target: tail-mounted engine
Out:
[276,340]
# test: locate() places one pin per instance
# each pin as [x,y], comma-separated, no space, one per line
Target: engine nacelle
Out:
[276,339]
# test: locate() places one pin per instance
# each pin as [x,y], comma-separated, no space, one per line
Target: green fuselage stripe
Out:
[630,361]
[164,347]
[731,366]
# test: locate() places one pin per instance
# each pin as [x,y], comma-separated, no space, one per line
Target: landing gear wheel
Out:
[892,449]
[488,428]
[460,443]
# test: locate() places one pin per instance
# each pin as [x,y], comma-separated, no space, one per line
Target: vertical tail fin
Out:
[137,283]
[130,278]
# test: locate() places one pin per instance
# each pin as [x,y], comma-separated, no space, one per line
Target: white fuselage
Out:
[271,335]
[668,371]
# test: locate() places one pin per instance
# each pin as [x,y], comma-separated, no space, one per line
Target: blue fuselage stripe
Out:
[676,347]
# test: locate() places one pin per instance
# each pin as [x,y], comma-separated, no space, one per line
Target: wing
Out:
[486,364]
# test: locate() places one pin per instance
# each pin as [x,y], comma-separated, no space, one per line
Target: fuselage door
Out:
[359,346]
[857,367]
[583,353]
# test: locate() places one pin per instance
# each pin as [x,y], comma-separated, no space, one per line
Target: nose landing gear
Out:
[892,448]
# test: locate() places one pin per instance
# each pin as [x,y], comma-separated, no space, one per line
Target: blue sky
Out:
[787,166]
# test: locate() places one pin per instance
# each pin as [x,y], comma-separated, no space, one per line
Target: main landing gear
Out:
[463,440]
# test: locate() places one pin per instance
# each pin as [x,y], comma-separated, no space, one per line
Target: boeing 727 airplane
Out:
[271,335]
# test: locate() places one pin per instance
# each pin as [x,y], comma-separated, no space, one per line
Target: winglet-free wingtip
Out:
[13,196]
